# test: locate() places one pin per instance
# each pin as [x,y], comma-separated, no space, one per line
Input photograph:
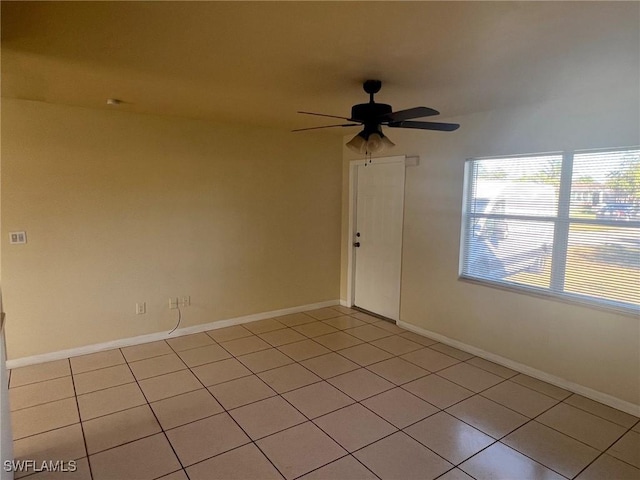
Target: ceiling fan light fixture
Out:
[370,142]
[358,143]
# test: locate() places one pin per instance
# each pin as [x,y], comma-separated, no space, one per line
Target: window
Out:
[560,224]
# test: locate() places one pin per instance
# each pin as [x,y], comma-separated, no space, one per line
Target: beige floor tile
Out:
[264,360]
[188,407]
[451,351]
[179,475]
[389,326]
[187,342]
[397,345]
[540,386]
[437,391]
[323,313]
[110,400]
[430,359]
[344,310]
[315,329]
[81,472]
[169,385]
[470,377]
[636,427]
[491,367]
[300,449]
[521,399]
[241,391]
[282,337]
[400,456]
[343,322]
[205,438]
[338,340]
[229,333]
[368,332]
[94,361]
[627,449]
[365,354]
[303,350]
[455,474]
[295,319]
[152,367]
[317,399]
[264,326]
[245,345]
[104,378]
[222,371]
[39,373]
[289,377]
[354,426]
[345,468]
[604,411]
[243,463]
[397,370]
[399,407]
[583,426]
[119,428]
[499,462]
[42,392]
[329,365]
[487,416]
[422,340]
[365,317]
[607,467]
[551,448]
[65,443]
[203,355]
[144,459]
[449,437]
[360,384]
[146,350]
[45,417]
[266,417]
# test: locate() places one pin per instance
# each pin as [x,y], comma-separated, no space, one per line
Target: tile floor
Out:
[325,394]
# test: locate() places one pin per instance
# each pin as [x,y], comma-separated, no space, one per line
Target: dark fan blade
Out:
[416,112]
[325,115]
[444,127]
[327,126]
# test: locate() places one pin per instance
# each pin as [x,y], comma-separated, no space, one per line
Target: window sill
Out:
[547,295]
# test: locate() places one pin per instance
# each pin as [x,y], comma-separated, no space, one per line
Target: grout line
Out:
[84,439]
[39,381]
[158,422]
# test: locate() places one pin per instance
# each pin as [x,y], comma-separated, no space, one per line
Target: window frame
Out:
[562,223]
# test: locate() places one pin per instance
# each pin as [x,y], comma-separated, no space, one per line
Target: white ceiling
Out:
[259,62]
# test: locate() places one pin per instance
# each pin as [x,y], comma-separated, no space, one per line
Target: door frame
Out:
[353,205]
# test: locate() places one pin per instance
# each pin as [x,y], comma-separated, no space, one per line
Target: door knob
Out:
[356,244]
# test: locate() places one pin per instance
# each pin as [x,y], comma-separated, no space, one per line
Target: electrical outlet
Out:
[141,308]
[185,301]
[173,303]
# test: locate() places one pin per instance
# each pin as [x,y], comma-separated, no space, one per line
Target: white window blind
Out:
[563,224]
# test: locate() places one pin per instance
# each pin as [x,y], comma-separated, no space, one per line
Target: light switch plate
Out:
[17,237]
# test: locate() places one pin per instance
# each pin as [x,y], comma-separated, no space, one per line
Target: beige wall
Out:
[593,348]
[122,208]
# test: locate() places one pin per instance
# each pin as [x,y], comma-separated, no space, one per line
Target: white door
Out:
[378,238]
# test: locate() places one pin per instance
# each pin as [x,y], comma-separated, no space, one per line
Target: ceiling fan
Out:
[373,115]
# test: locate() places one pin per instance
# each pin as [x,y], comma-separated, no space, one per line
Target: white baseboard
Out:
[152,337]
[344,303]
[601,397]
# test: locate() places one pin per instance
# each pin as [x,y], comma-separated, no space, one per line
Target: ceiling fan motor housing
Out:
[369,112]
